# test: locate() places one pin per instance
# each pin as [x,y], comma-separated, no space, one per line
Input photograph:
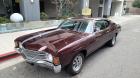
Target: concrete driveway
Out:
[120,61]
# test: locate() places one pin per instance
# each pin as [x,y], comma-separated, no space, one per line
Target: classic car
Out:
[68,45]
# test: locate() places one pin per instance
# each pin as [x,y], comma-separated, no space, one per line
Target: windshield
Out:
[80,26]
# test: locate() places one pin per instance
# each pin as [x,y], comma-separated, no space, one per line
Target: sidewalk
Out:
[121,19]
[7,39]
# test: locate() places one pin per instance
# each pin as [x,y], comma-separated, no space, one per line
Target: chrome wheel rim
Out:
[77,63]
[114,40]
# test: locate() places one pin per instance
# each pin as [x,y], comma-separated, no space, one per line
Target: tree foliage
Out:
[136,3]
[64,6]
[4,20]
[43,16]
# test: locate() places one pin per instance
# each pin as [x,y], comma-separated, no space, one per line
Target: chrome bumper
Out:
[46,64]
[40,62]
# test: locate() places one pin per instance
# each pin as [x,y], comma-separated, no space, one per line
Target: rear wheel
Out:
[112,42]
[76,64]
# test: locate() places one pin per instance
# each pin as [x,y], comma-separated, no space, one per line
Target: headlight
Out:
[49,57]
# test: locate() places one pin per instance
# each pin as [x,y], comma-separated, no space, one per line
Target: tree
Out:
[8,7]
[64,6]
[136,3]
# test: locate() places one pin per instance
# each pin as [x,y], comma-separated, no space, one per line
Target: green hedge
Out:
[4,20]
[43,16]
[136,4]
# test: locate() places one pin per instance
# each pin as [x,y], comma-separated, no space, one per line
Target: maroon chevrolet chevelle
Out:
[68,45]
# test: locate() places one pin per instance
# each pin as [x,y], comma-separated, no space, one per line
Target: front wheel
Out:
[76,64]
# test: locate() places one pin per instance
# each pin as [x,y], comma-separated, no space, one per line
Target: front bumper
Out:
[44,63]
[39,61]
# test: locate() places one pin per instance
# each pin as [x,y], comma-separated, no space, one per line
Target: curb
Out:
[9,55]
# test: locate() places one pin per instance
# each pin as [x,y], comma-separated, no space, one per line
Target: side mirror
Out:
[95,30]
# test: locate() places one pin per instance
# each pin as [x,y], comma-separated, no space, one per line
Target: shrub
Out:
[136,4]
[63,17]
[43,16]
[4,20]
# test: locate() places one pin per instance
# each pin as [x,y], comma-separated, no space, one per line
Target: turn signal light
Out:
[56,60]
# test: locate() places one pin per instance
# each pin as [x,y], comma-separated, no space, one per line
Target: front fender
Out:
[66,56]
[67,53]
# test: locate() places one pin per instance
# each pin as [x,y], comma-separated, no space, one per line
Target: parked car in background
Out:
[68,45]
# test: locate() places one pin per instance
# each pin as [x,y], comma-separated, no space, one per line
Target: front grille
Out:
[29,54]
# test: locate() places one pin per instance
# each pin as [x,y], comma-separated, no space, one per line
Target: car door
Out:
[109,31]
[106,31]
[95,41]
[101,35]
[112,30]
[91,41]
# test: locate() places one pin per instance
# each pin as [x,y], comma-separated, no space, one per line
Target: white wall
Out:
[117,8]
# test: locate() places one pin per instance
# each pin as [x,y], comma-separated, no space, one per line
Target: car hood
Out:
[52,40]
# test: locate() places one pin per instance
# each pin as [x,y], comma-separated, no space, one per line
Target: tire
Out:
[30,63]
[112,42]
[76,65]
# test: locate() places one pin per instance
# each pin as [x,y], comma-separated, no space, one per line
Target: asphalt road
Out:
[120,61]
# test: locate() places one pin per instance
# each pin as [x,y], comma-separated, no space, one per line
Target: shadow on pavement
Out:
[24,70]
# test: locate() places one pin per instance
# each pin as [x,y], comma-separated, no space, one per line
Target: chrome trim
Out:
[17,50]
[30,54]
[46,64]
